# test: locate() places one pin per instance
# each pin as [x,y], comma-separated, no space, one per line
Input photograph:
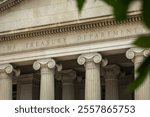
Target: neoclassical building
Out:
[50,51]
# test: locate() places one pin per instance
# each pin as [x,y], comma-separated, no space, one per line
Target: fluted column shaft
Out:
[92,82]
[92,75]
[47,84]
[5,82]
[137,55]
[111,82]
[67,78]
[47,78]
[68,90]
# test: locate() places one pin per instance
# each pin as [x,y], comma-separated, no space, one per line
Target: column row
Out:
[92,63]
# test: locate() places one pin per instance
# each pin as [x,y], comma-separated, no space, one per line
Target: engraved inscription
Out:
[44,43]
[63,40]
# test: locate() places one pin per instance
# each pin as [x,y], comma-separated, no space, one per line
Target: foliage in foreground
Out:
[120,8]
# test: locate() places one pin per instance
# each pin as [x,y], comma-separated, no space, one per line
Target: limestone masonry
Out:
[50,51]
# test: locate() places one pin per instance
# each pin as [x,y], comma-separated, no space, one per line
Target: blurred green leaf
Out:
[110,2]
[145,63]
[143,41]
[142,72]
[80,4]
[146,12]
[120,8]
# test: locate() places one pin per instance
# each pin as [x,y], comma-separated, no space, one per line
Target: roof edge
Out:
[71,27]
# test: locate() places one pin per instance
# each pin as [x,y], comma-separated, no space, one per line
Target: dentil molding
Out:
[65,28]
[6,4]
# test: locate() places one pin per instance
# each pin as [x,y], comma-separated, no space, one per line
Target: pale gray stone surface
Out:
[31,13]
[137,55]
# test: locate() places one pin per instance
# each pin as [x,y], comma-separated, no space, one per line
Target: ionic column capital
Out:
[59,67]
[8,68]
[17,72]
[50,63]
[112,71]
[104,62]
[89,57]
[137,52]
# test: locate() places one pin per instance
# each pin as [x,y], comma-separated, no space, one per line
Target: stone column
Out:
[67,77]
[5,82]
[68,85]
[92,75]
[137,55]
[111,82]
[28,86]
[47,77]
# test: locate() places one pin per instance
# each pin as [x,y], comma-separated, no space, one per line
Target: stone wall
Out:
[31,13]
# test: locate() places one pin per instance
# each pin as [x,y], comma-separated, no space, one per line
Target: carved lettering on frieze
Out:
[70,38]
[44,43]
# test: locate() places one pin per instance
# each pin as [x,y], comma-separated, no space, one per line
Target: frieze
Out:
[73,38]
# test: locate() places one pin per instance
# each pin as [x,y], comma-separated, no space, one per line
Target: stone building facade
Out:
[50,51]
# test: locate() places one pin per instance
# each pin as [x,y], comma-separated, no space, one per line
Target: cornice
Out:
[8,3]
[71,27]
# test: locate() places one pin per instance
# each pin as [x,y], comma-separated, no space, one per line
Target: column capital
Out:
[89,57]
[104,62]
[137,52]
[49,62]
[112,71]
[17,72]
[8,68]
[59,67]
